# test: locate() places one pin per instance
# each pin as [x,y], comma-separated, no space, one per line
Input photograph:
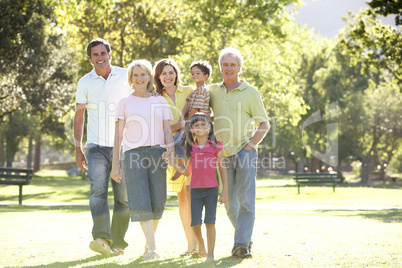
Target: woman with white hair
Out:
[143,127]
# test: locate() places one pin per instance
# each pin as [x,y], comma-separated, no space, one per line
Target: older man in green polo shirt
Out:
[241,122]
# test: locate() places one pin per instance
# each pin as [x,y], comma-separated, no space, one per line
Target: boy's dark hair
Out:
[189,136]
[204,66]
[95,42]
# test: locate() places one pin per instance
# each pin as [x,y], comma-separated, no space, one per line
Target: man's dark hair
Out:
[204,66]
[95,42]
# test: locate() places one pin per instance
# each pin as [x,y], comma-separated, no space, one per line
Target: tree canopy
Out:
[43,54]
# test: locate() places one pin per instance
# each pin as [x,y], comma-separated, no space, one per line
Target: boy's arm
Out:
[192,112]
[224,177]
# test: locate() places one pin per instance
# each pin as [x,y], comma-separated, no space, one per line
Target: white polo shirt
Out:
[101,98]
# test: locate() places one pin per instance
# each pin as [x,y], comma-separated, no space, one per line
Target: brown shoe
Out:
[242,254]
[101,246]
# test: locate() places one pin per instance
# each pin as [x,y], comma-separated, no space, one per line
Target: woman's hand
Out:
[168,157]
[115,173]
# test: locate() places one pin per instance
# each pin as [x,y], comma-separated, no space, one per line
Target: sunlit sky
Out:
[325,16]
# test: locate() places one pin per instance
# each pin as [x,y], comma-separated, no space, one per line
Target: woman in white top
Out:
[143,127]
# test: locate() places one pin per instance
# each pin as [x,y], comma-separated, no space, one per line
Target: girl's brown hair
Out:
[189,136]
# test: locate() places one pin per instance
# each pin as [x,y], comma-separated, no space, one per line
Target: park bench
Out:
[315,178]
[16,176]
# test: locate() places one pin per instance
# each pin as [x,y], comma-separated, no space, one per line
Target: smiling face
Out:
[198,76]
[139,78]
[200,128]
[168,76]
[100,58]
[230,68]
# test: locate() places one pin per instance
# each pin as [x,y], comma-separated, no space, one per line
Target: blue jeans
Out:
[241,170]
[99,160]
[145,174]
[201,197]
[178,138]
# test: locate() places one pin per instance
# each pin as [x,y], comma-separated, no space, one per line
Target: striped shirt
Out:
[199,99]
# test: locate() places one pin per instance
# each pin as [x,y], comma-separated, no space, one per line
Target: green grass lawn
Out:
[58,236]
[54,186]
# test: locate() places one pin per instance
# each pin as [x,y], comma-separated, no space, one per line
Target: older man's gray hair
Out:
[231,51]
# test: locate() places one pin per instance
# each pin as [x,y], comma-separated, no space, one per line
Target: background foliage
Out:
[43,54]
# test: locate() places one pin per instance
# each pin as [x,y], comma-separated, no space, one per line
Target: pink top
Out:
[203,165]
[143,121]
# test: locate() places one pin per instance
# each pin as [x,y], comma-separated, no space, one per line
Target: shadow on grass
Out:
[30,208]
[62,189]
[385,185]
[71,263]
[183,262]
[340,185]
[386,216]
[62,208]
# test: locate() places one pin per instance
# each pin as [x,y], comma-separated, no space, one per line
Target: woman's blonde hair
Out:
[146,66]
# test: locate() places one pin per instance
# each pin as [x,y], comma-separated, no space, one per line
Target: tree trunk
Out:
[38,143]
[314,164]
[263,168]
[29,158]
[2,150]
[286,158]
[10,159]
[339,173]
[122,46]
[367,167]
[300,165]
[382,173]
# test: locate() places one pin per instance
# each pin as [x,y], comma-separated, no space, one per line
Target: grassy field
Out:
[58,235]
[54,186]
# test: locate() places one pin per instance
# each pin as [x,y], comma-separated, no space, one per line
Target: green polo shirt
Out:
[236,115]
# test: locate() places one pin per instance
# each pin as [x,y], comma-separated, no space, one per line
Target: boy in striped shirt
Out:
[198,102]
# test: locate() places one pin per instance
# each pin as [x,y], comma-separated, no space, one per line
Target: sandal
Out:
[195,253]
[185,253]
[151,255]
[146,249]
[118,251]
[188,253]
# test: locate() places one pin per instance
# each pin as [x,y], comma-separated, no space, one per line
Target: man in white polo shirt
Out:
[99,93]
